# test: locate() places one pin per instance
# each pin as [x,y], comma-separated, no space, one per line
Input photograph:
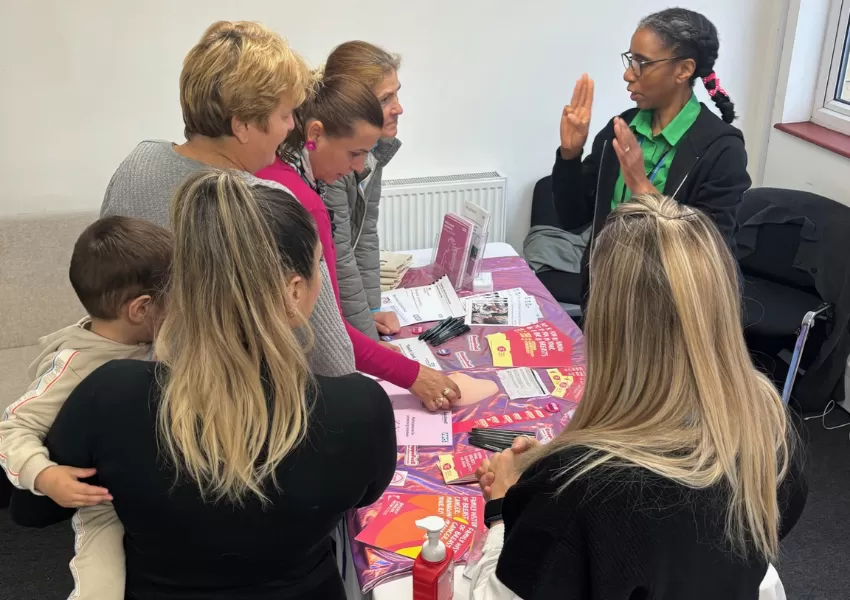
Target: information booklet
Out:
[460,467]
[452,251]
[394,527]
[539,345]
[433,302]
[480,219]
[504,308]
[568,382]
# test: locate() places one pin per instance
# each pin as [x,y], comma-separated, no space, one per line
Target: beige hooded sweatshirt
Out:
[67,357]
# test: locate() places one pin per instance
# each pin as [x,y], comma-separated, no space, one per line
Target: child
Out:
[118,269]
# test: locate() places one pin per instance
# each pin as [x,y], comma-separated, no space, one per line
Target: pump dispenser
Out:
[433,571]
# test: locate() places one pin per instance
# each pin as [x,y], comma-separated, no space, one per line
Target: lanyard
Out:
[654,173]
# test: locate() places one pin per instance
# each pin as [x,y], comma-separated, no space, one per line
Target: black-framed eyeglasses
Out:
[630,62]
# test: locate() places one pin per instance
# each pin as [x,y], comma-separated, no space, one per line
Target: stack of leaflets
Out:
[452,250]
[394,526]
[460,247]
[460,467]
[505,308]
[540,345]
[480,219]
[434,302]
[393,267]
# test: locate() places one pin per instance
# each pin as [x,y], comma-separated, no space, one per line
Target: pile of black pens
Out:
[496,440]
[444,331]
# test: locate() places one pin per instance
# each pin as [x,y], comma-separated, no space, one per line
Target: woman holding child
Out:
[230,464]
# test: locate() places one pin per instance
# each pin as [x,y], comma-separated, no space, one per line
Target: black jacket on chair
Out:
[708,172]
[819,252]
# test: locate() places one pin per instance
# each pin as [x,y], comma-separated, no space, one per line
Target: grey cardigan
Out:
[143,186]
[353,203]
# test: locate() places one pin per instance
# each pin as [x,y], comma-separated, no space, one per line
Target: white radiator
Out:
[412,209]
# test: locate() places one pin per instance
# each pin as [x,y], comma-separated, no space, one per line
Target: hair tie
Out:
[713,91]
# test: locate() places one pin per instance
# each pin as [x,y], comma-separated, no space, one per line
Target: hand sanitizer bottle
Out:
[433,571]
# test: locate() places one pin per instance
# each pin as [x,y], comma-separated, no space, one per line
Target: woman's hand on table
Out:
[392,347]
[436,391]
[630,155]
[499,473]
[386,323]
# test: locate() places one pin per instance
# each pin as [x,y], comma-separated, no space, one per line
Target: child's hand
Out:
[62,486]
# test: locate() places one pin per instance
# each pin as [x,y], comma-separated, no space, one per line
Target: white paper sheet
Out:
[419,351]
[418,427]
[433,302]
[522,383]
[505,308]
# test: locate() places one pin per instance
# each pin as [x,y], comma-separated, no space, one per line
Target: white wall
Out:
[484,81]
[789,161]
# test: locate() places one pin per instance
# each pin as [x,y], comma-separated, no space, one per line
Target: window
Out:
[832,96]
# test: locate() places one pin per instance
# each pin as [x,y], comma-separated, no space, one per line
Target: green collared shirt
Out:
[661,147]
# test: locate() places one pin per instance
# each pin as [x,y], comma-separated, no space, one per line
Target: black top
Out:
[625,534]
[179,547]
[708,172]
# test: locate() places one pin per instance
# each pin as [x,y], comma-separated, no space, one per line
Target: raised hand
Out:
[630,156]
[575,119]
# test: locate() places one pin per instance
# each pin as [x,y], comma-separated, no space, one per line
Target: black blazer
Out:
[709,172]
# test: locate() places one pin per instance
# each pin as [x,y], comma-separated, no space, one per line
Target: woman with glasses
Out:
[670,143]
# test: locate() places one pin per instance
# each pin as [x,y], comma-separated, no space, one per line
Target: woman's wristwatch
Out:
[492,512]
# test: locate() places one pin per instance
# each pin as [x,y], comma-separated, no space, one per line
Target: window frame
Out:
[829,112]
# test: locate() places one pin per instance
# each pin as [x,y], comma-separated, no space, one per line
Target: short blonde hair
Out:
[363,61]
[238,69]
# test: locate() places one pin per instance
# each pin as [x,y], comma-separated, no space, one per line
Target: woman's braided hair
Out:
[691,35]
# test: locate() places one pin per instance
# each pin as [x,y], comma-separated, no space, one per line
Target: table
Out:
[509,271]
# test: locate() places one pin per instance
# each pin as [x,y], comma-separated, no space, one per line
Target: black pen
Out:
[430,332]
[484,445]
[498,431]
[450,335]
[440,329]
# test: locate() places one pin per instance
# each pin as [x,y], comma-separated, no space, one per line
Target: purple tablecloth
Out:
[470,354]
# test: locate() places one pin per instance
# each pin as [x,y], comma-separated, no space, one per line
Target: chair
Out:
[782,306]
[564,285]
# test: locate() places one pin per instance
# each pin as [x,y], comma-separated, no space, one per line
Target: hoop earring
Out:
[310,145]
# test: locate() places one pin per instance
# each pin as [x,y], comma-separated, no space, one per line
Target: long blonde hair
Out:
[234,395]
[670,385]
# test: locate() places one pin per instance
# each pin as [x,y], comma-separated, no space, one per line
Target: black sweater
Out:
[625,534]
[708,172]
[180,547]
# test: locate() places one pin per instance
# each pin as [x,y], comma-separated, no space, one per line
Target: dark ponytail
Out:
[691,35]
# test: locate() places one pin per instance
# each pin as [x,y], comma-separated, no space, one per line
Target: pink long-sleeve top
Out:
[369,356]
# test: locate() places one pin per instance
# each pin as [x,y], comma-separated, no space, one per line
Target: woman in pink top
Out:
[335,130]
